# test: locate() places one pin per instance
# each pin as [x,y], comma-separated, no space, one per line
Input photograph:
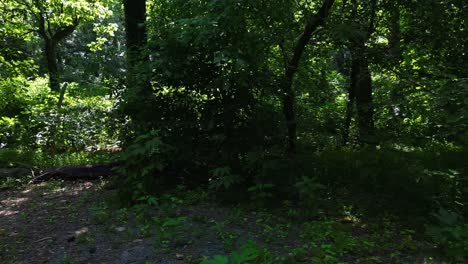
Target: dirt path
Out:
[69,223]
[59,222]
[39,223]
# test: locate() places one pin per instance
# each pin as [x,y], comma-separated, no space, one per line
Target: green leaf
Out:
[216,260]
[247,252]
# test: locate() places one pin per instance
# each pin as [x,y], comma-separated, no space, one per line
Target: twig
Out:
[43,239]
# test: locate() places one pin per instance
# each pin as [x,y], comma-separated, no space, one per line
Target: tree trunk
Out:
[394,38]
[290,117]
[52,64]
[135,29]
[81,172]
[313,23]
[349,114]
[229,153]
[54,85]
[62,96]
[138,82]
[361,86]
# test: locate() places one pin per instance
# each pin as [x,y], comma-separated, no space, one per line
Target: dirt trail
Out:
[69,222]
[42,224]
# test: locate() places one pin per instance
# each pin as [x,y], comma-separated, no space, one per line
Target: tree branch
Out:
[63,33]
[371,28]
[313,23]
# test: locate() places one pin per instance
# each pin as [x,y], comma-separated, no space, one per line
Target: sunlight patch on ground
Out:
[70,190]
[8,212]
[11,202]
[26,191]
[14,201]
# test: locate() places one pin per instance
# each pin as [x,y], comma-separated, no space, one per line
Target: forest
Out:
[233,131]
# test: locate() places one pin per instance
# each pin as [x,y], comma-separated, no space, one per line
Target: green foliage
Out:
[393,177]
[60,15]
[223,179]
[29,118]
[44,160]
[30,159]
[272,172]
[13,183]
[216,260]
[310,192]
[141,163]
[214,84]
[14,158]
[214,108]
[100,212]
[249,251]
[170,229]
[148,200]
[450,233]
[261,193]
[12,106]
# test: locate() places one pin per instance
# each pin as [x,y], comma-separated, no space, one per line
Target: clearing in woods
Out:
[72,222]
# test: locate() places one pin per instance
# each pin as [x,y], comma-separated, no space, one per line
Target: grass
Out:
[43,160]
[33,158]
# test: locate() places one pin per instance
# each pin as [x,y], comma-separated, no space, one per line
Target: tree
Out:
[434,67]
[138,90]
[362,19]
[52,21]
[209,75]
[313,22]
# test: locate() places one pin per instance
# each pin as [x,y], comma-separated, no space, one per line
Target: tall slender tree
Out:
[138,79]
[360,87]
[313,22]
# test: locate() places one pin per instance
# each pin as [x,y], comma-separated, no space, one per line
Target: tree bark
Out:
[138,81]
[52,64]
[229,154]
[50,51]
[62,96]
[313,23]
[394,38]
[83,172]
[51,41]
[135,28]
[349,114]
[360,95]
[361,85]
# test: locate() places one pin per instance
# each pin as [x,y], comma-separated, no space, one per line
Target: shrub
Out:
[140,166]
[450,234]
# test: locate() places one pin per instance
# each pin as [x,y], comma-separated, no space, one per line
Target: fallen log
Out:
[14,173]
[71,173]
